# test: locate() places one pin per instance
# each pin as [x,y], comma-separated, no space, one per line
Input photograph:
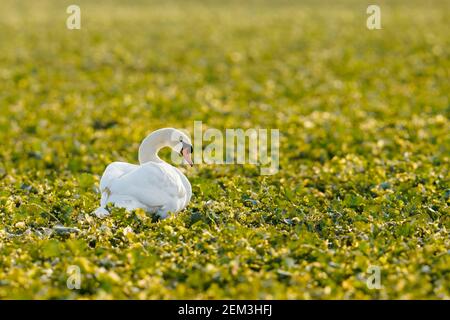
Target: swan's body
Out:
[153,185]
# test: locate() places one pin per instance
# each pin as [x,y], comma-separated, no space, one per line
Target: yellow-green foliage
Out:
[363,118]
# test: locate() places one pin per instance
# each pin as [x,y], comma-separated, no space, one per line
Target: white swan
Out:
[153,185]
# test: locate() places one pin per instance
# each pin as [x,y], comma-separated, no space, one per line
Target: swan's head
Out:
[182,145]
[177,140]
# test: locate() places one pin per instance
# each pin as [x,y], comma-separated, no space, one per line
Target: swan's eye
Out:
[186,146]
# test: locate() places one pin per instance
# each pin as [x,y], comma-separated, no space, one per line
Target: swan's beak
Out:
[187,156]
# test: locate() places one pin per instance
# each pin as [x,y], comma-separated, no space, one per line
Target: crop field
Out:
[362,191]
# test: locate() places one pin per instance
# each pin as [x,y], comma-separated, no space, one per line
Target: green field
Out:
[364,148]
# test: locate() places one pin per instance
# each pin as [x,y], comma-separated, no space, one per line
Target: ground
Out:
[364,127]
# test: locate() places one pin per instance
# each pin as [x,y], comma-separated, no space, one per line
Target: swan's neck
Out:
[150,146]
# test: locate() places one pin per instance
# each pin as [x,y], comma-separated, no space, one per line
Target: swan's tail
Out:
[127,202]
[101,212]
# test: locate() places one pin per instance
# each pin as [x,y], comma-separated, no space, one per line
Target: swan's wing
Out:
[152,184]
[114,171]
